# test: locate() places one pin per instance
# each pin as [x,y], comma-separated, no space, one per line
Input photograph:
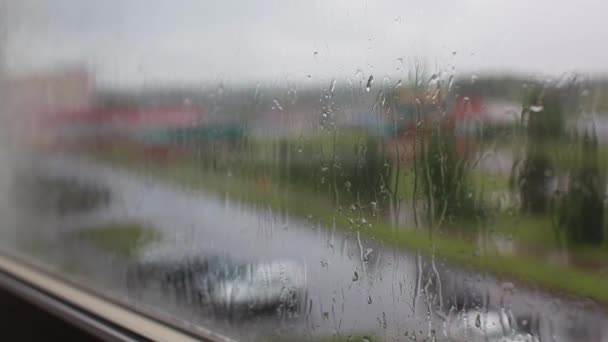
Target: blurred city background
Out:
[322,172]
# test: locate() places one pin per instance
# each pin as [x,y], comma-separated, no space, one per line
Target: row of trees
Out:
[576,204]
[356,167]
[577,207]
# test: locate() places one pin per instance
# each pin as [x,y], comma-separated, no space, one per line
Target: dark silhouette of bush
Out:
[581,213]
[445,177]
[543,124]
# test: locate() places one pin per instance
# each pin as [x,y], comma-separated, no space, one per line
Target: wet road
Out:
[389,296]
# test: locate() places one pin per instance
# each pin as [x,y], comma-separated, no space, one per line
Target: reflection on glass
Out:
[342,171]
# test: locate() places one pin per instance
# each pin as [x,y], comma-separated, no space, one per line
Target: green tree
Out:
[445,176]
[544,125]
[581,213]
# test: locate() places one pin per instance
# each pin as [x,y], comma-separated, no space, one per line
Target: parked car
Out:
[223,285]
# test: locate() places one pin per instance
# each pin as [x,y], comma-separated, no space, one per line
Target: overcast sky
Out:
[187,41]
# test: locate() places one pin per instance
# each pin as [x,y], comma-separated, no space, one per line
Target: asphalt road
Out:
[353,286]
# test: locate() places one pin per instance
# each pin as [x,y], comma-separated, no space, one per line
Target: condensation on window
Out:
[315,171]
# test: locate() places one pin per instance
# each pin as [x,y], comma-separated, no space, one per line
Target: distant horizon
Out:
[131,43]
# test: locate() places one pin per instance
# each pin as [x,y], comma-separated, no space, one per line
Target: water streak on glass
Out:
[328,171]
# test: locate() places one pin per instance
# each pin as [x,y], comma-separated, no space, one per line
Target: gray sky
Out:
[131,42]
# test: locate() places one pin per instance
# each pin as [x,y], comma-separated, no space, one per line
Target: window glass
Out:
[315,171]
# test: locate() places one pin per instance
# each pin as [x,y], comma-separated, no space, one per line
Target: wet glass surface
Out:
[393,171]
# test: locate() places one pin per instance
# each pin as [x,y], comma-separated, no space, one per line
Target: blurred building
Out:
[31,101]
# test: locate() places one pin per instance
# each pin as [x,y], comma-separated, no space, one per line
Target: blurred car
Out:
[224,286]
[469,314]
[490,326]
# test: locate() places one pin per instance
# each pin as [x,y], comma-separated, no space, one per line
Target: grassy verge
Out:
[563,155]
[454,248]
[537,234]
[121,238]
